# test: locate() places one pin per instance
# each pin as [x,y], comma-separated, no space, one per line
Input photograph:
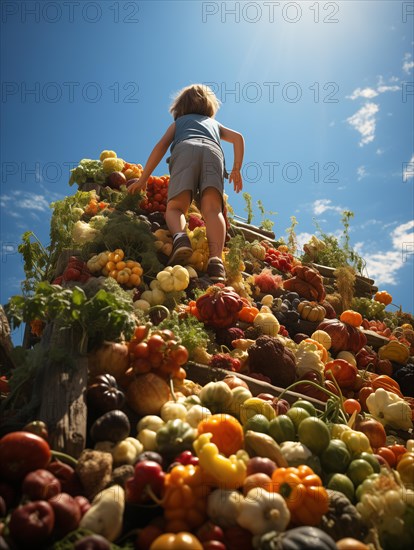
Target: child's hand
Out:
[236,178]
[136,187]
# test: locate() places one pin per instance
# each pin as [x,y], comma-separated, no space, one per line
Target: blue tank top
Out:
[196,126]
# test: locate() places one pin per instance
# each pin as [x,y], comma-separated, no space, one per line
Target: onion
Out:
[111,358]
[147,393]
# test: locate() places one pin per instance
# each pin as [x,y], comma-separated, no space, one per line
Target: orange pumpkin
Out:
[247,314]
[383,297]
[227,432]
[351,317]
[386,382]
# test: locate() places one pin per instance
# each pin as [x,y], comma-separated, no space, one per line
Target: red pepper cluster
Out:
[282,261]
[157,190]
[76,270]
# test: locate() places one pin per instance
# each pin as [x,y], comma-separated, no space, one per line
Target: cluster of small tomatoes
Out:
[156,194]
[158,351]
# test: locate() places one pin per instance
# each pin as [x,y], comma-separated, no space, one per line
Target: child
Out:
[196,172]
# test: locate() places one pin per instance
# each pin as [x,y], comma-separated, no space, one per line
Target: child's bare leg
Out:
[176,211]
[175,217]
[211,210]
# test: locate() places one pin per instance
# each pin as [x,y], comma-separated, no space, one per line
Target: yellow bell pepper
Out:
[230,472]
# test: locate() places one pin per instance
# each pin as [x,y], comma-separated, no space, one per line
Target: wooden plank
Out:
[203,374]
[374,339]
[326,271]
[266,234]
[6,344]
[62,387]
[250,234]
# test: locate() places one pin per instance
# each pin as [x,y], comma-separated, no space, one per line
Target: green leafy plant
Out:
[107,314]
[266,223]
[337,252]
[234,256]
[191,332]
[87,170]
[126,230]
[249,206]
[291,232]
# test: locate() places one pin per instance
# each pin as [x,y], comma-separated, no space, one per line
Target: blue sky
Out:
[321,91]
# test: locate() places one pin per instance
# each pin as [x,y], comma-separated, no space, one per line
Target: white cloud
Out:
[27,201]
[370,93]
[303,238]
[408,171]
[367,223]
[366,93]
[382,89]
[322,205]
[361,172]
[408,63]
[364,122]
[379,151]
[383,266]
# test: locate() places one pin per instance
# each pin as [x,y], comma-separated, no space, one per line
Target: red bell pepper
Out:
[146,473]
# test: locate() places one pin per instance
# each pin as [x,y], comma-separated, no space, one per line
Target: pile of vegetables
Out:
[302,436]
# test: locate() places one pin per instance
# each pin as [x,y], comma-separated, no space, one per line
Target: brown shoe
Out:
[182,251]
[216,271]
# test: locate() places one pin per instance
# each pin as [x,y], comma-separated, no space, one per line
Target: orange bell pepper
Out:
[227,432]
[305,496]
[186,489]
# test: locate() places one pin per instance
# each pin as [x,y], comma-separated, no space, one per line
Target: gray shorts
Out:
[194,165]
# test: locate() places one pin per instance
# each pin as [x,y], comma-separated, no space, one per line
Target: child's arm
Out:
[154,159]
[238,146]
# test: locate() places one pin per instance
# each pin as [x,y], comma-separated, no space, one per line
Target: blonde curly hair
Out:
[195,99]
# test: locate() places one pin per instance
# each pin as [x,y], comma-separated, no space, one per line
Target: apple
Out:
[67,513]
[116,179]
[41,485]
[32,524]
[83,502]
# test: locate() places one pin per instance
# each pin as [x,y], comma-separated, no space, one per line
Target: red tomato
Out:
[387,455]
[398,451]
[351,405]
[141,350]
[155,343]
[179,355]
[140,332]
[21,453]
